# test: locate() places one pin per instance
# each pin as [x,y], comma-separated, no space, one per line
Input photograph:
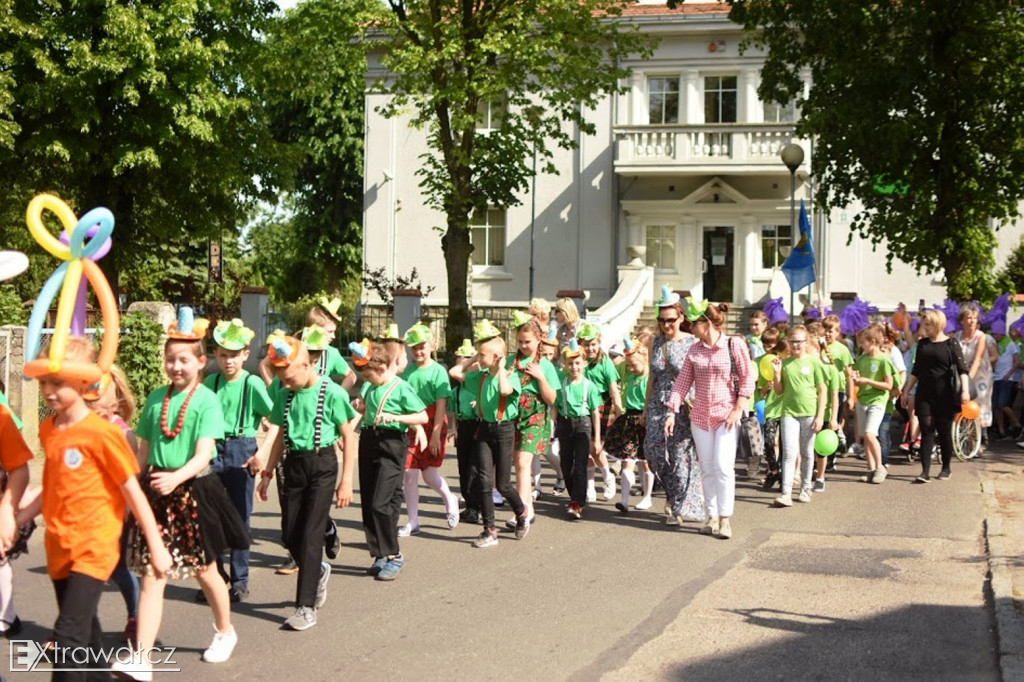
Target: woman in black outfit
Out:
[936,402]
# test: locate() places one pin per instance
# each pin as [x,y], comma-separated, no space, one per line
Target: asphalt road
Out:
[881,582]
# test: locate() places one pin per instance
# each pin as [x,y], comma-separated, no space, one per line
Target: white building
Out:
[684,172]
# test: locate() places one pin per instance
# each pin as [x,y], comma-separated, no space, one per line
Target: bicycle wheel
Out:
[966,438]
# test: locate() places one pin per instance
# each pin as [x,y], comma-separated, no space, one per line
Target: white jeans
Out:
[797,440]
[716,452]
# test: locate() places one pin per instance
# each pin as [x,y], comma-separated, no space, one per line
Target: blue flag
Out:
[799,266]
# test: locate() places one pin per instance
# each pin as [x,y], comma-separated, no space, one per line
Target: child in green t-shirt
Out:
[800,382]
[833,386]
[600,371]
[872,377]
[625,438]
[577,411]
[466,423]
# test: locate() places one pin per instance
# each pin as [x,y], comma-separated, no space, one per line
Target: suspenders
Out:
[565,402]
[480,401]
[317,421]
[240,424]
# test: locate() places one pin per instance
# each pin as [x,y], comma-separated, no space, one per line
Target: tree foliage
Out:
[921,98]
[541,63]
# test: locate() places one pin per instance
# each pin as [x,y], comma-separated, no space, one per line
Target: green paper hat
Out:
[466,350]
[588,331]
[392,334]
[668,297]
[315,338]
[232,335]
[572,349]
[330,307]
[417,334]
[520,318]
[485,330]
[695,310]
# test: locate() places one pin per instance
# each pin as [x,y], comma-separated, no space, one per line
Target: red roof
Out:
[634,9]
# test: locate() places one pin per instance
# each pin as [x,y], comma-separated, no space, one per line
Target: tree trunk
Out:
[457,249]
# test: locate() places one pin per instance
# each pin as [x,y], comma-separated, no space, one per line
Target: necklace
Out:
[524,378]
[181,413]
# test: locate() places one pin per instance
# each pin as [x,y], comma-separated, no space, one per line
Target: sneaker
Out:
[486,539]
[392,568]
[303,619]
[130,634]
[221,647]
[644,504]
[711,526]
[453,521]
[513,523]
[535,494]
[332,541]
[469,516]
[858,450]
[321,584]
[905,447]
[377,565]
[559,487]
[13,628]
[1020,444]
[819,485]
[609,488]
[785,500]
[879,475]
[944,475]
[591,492]
[622,508]
[923,479]
[136,669]
[804,496]
[288,567]
[574,511]
[407,530]
[498,500]
[724,529]
[770,479]
[867,478]
[522,527]
[238,594]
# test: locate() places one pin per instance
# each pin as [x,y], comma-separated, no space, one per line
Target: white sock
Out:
[412,495]
[648,484]
[555,461]
[607,470]
[535,470]
[628,479]
[436,481]
[591,470]
[7,613]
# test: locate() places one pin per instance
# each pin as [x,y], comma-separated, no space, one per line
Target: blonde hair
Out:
[318,317]
[568,308]
[118,397]
[539,307]
[76,349]
[934,318]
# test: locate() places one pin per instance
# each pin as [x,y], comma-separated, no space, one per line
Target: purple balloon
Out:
[78,316]
[90,233]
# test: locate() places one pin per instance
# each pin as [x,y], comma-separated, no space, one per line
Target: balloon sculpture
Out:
[81,244]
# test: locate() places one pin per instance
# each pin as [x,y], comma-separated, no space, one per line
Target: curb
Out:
[1009,621]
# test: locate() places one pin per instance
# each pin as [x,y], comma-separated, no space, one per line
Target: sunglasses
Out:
[797,342]
[667,320]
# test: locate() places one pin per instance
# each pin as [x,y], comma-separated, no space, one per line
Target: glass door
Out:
[719,249]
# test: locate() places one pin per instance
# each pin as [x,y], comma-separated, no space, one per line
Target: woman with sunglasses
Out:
[672,458]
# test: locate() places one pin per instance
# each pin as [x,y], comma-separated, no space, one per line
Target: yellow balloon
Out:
[65,309]
[34,219]
[764,365]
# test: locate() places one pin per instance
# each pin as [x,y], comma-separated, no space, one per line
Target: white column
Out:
[751,110]
[747,236]
[638,99]
[689,247]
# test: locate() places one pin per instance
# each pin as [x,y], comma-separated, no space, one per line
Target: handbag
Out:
[750,444]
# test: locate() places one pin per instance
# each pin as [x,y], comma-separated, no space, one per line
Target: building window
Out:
[779,113]
[661,247]
[776,240]
[487,235]
[663,100]
[489,114]
[720,99]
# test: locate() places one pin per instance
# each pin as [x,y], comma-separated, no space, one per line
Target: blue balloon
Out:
[101,217]
[39,310]
[759,411]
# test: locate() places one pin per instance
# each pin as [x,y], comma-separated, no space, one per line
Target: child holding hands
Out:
[872,375]
[578,413]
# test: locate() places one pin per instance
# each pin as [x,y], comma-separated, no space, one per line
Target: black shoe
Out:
[238,593]
[200,597]
[287,567]
[13,629]
[622,508]
[469,516]
[770,479]
[332,541]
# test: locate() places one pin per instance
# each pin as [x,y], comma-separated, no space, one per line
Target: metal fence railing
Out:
[372,321]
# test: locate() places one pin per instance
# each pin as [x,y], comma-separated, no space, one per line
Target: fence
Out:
[372,321]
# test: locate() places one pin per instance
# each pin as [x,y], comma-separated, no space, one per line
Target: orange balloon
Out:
[971,410]
[900,319]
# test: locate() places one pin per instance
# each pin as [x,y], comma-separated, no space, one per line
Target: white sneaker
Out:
[644,504]
[805,496]
[407,530]
[785,500]
[591,492]
[135,669]
[535,494]
[221,647]
[609,488]
[497,498]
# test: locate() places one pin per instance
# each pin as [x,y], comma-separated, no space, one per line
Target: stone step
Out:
[735,319]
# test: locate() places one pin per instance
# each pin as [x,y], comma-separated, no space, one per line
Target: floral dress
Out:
[982,380]
[674,460]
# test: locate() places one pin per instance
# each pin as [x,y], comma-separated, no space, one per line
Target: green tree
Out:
[542,63]
[917,112]
[141,107]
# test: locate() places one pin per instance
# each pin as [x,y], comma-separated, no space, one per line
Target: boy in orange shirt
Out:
[14,459]
[88,477]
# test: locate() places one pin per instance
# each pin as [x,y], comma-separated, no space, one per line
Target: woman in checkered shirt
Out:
[719,370]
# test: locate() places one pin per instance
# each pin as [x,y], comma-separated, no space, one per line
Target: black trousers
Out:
[574,438]
[465,454]
[494,444]
[381,469]
[77,626]
[310,480]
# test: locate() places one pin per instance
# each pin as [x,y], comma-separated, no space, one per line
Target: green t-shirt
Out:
[331,364]
[876,368]
[302,414]
[203,419]
[257,402]
[465,402]
[634,392]
[430,382]
[800,380]
[840,356]
[890,404]
[570,398]
[490,402]
[402,399]
[601,373]
[773,406]
[623,372]
[834,381]
[549,370]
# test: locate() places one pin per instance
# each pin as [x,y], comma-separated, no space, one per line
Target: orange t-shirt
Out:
[13,450]
[86,465]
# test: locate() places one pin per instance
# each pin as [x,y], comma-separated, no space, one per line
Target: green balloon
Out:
[826,442]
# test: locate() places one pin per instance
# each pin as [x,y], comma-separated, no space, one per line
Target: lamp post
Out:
[792,156]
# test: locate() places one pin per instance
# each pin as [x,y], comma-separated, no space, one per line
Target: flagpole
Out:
[792,156]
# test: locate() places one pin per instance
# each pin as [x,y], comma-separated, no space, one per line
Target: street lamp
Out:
[792,156]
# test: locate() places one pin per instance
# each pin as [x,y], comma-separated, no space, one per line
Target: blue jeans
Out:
[883,437]
[240,484]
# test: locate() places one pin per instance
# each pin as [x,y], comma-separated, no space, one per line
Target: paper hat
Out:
[775,311]
[552,337]
[466,350]
[951,309]
[615,350]
[1018,326]
[281,349]
[630,346]
[995,318]
[695,309]
[96,390]
[12,264]
[998,327]
[572,349]
[519,318]
[232,335]
[392,334]
[315,338]
[588,331]
[360,352]
[187,327]
[812,313]
[668,297]
[485,330]
[417,334]
[854,317]
[330,307]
